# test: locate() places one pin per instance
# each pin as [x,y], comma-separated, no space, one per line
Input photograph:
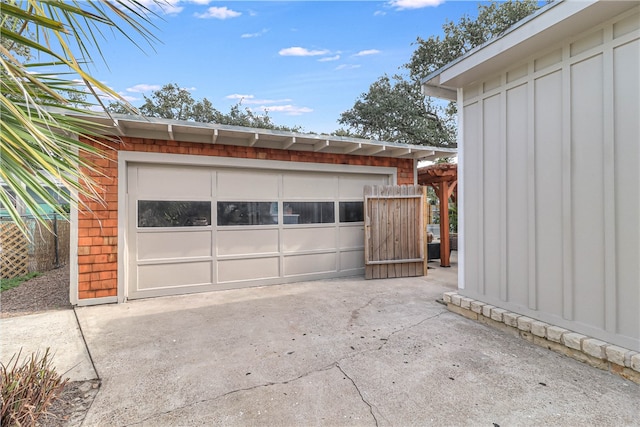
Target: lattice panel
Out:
[14,251]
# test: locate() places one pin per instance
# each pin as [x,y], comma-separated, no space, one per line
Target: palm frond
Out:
[43,158]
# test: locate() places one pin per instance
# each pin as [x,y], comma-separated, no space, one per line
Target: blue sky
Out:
[303,61]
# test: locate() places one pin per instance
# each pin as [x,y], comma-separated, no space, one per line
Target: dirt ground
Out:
[47,292]
[50,291]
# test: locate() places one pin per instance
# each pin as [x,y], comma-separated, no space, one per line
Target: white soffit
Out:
[549,26]
[209,133]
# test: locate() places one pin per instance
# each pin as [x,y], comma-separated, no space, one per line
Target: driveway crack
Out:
[239,390]
[375,419]
[335,364]
[397,331]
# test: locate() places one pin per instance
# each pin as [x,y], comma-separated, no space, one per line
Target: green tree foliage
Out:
[40,154]
[394,109]
[459,38]
[176,103]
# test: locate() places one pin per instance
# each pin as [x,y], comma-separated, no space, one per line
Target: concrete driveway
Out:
[336,352]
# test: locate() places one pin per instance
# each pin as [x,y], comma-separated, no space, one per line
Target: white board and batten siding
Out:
[552,184]
[216,253]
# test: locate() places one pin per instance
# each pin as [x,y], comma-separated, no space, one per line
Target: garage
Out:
[199,228]
[194,207]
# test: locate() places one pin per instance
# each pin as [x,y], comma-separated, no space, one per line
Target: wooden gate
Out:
[394,231]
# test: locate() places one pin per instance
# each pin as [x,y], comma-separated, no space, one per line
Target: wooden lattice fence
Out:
[46,249]
[14,251]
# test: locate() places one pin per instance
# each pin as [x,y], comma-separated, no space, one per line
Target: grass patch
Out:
[6,284]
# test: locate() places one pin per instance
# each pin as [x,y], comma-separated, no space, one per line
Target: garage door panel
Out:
[234,270]
[351,260]
[306,239]
[240,185]
[310,263]
[244,242]
[174,275]
[174,244]
[174,182]
[351,185]
[297,186]
[352,236]
[177,247]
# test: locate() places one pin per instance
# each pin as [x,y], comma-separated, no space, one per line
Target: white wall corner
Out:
[460,142]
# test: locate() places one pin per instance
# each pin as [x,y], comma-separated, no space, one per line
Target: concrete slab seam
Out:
[553,337]
[86,346]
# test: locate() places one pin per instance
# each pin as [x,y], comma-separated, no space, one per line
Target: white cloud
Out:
[348,67]
[239,96]
[251,99]
[290,110]
[200,2]
[413,4]
[251,35]
[218,13]
[301,51]
[329,58]
[130,99]
[143,88]
[367,52]
[379,13]
[267,101]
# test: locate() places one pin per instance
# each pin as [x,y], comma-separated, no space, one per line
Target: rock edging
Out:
[596,353]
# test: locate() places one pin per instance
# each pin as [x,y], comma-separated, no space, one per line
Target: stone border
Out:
[596,353]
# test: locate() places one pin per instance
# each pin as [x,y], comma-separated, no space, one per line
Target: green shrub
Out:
[27,390]
[6,284]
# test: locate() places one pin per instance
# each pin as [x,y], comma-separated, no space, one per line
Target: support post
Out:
[443,195]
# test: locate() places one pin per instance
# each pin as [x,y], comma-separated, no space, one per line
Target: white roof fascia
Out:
[547,26]
[434,88]
[120,125]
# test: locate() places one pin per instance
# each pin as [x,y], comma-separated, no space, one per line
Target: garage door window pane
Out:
[351,212]
[160,213]
[247,213]
[309,212]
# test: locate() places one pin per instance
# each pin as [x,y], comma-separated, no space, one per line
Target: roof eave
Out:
[119,125]
[545,27]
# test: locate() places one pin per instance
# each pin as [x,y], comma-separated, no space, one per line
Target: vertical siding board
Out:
[517,240]
[480,208]
[491,131]
[532,300]
[567,218]
[587,190]
[627,187]
[472,196]
[548,188]
[504,294]
[609,215]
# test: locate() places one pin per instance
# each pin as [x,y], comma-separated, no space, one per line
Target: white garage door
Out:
[195,229]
